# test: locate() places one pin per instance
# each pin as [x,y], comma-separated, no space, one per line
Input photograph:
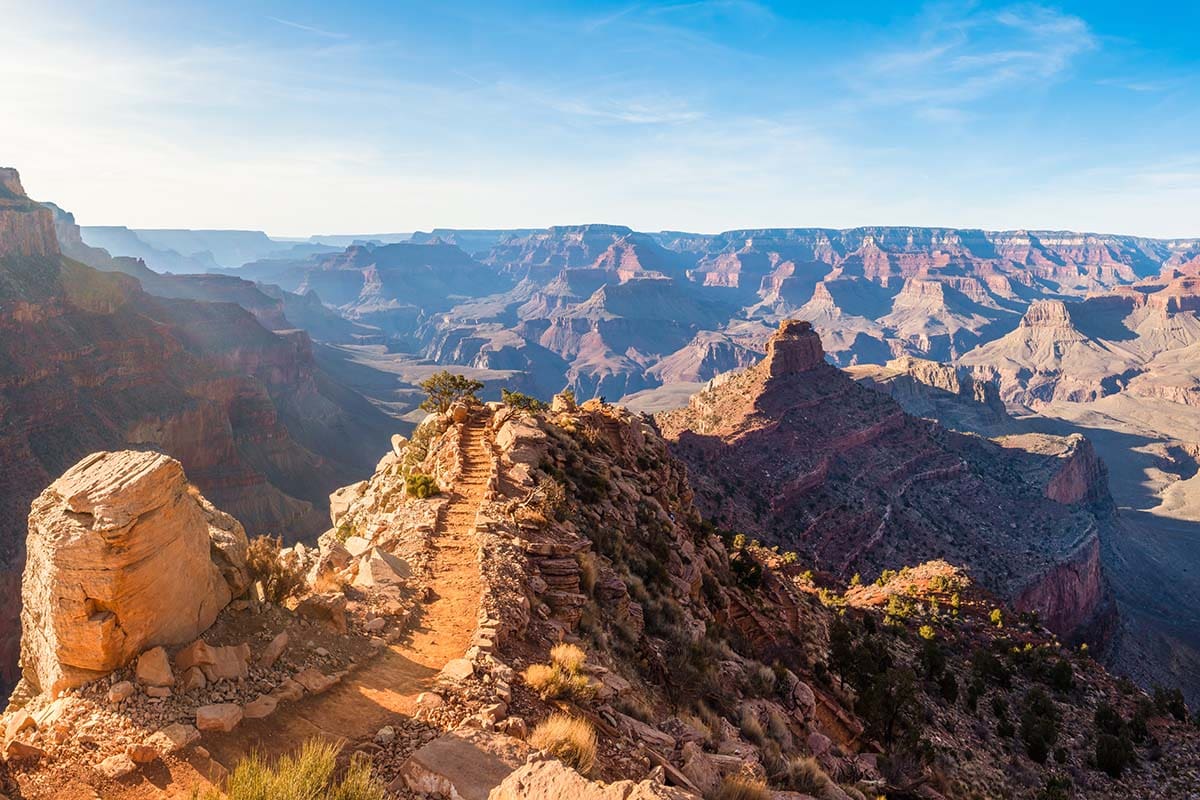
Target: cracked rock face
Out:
[121,558]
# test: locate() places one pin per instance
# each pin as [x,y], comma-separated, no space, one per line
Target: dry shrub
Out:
[551,682]
[569,739]
[804,774]
[308,775]
[562,676]
[740,787]
[280,579]
[569,657]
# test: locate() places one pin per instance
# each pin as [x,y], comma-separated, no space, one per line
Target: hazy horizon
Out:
[695,116]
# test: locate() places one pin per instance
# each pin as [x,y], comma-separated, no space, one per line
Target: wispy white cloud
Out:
[309,28]
[956,58]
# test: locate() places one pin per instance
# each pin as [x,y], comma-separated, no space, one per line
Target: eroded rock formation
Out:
[794,451]
[122,555]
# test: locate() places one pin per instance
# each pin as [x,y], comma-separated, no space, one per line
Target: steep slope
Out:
[794,451]
[88,361]
[948,394]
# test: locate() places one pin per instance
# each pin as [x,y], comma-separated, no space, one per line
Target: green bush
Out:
[421,486]
[444,389]
[522,401]
[1113,754]
[1039,725]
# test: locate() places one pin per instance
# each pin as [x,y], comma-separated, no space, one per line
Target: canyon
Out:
[1076,333]
[89,360]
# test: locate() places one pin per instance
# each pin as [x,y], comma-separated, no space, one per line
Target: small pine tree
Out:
[444,389]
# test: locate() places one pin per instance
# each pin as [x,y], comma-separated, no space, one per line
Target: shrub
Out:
[421,486]
[804,774]
[562,676]
[568,657]
[759,680]
[997,617]
[522,401]
[926,632]
[1056,788]
[1062,676]
[280,579]
[751,728]
[307,775]
[1039,725]
[1113,754]
[739,787]
[948,686]
[1170,701]
[1108,720]
[569,739]
[444,389]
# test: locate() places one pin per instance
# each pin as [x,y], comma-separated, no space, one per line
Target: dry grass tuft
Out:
[569,739]
[568,656]
[562,676]
[307,775]
[804,774]
[739,787]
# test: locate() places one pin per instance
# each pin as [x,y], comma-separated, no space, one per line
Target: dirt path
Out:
[362,704]
[372,696]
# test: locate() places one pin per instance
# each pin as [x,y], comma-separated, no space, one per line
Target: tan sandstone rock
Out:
[120,558]
[543,779]
[464,764]
[218,717]
[116,766]
[154,668]
[173,738]
[273,650]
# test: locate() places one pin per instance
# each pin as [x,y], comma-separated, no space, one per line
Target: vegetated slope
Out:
[794,452]
[711,657]
[88,361]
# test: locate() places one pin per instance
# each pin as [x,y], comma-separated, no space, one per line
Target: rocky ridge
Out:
[794,451]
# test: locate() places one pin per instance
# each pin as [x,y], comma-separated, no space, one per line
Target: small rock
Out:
[229,663]
[196,654]
[322,652]
[120,691]
[117,766]
[273,651]
[142,753]
[193,679]
[375,625]
[428,701]
[457,670]
[16,750]
[513,726]
[154,668]
[385,735]
[173,738]
[158,691]
[218,717]
[313,680]
[19,721]
[261,706]
[288,691]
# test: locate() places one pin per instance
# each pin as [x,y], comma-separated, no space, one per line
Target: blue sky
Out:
[303,117]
